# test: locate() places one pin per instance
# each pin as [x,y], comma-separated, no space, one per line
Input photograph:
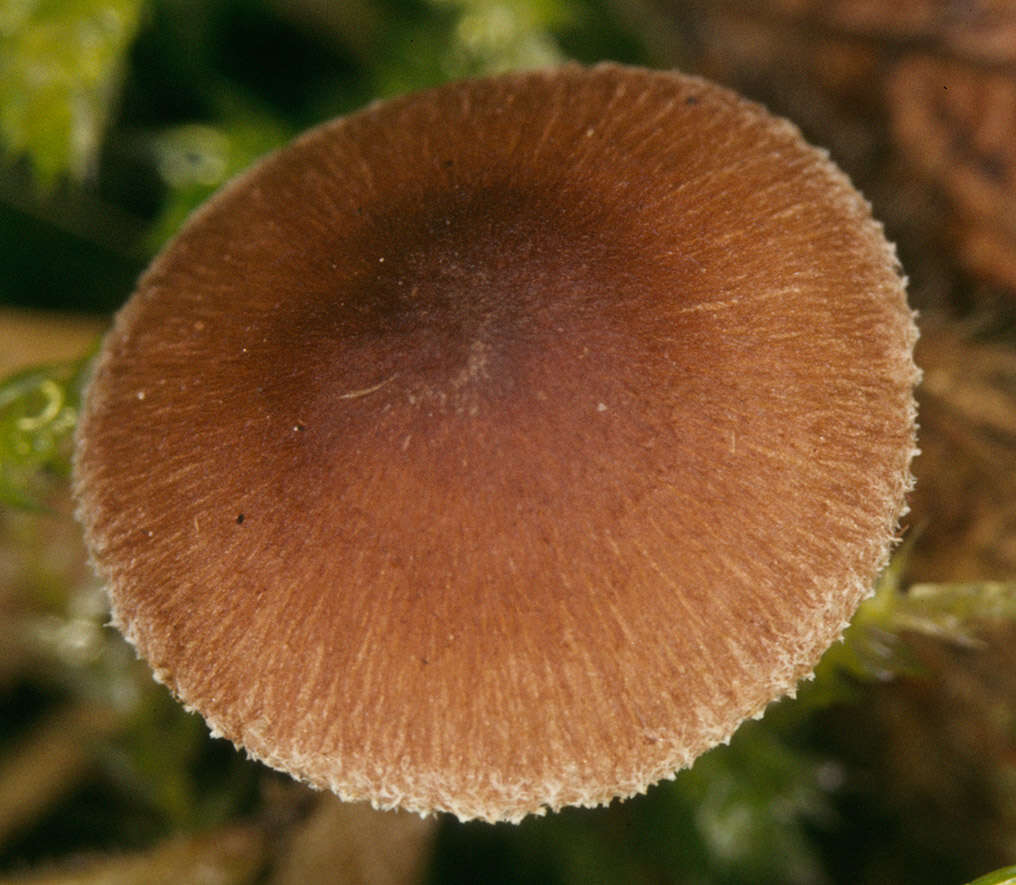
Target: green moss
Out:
[60,63]
[38,413]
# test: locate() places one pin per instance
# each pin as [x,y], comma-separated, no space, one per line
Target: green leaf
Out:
[38,413]
[492,36]
[1006,876]
[953,611]
[60,66]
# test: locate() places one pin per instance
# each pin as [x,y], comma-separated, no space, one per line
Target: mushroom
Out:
[504,446]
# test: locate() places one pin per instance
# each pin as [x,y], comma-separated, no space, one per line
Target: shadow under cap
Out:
[504,446]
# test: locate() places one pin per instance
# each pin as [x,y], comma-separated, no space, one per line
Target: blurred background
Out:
[897,764]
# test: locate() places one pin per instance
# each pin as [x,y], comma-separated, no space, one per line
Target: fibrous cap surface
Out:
[504,446]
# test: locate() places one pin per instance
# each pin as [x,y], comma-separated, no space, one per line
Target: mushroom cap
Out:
[504,446]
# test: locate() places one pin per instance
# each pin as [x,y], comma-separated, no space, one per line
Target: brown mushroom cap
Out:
[504,446]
